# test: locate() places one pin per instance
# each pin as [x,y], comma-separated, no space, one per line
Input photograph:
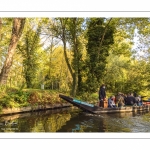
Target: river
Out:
[74,120]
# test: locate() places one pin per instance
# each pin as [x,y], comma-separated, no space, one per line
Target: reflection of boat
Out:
[98,110]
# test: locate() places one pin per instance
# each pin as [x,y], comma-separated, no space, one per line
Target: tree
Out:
[118,61]
[69,31]
[100,37]
[29,47]
[18,25]
[0,29]
[117,71]
[75,31]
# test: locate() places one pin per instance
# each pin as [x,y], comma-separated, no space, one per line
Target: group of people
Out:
[120,99]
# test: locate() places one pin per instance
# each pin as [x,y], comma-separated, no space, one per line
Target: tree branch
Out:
[100,45]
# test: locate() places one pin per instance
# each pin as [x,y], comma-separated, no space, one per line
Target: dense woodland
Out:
[75,55]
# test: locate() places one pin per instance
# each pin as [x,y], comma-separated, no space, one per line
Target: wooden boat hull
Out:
[146,102]
[79,105]
[98,110]
[122,109]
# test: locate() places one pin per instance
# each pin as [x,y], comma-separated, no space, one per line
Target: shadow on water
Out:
[74,120]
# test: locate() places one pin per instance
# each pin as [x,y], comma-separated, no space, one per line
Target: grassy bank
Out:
[15,98]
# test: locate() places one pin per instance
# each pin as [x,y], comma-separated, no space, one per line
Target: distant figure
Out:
[111,102]
[125,97]
[134,94]
[120,100]
[102,94]
[130,100]
[139,100]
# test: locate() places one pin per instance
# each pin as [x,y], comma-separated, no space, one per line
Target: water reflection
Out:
[118,122]
[75,120]
[43,121]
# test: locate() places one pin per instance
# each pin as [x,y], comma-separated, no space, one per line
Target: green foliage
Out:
[5,34]
[43,97]
[89,97]
[3,88]
[13,98]
[75,32]
[100,37]
[1,109]
[92,58]
[116,72]
[29,50]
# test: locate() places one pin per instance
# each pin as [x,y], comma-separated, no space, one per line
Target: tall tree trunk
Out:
[102,39]
[63,25]
[76,59]
[18,25]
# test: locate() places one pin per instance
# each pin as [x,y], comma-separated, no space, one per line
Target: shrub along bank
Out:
[15,98]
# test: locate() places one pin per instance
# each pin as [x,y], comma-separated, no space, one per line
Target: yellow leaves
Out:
[43,97]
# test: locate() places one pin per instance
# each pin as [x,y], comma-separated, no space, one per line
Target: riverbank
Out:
[8,111]
[28,100]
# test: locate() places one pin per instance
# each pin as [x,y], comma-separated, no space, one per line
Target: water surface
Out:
[75,120]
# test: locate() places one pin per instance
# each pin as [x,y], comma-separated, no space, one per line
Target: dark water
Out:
[74,120]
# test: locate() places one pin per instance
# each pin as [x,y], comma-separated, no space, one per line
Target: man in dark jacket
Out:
[130,100]
[102,93]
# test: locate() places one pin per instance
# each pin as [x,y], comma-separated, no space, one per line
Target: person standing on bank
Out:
[102,94]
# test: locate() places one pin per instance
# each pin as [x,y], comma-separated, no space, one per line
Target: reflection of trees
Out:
[67,121]
[42,121]
[55,122]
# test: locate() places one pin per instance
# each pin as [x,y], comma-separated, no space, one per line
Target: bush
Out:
[13,97]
